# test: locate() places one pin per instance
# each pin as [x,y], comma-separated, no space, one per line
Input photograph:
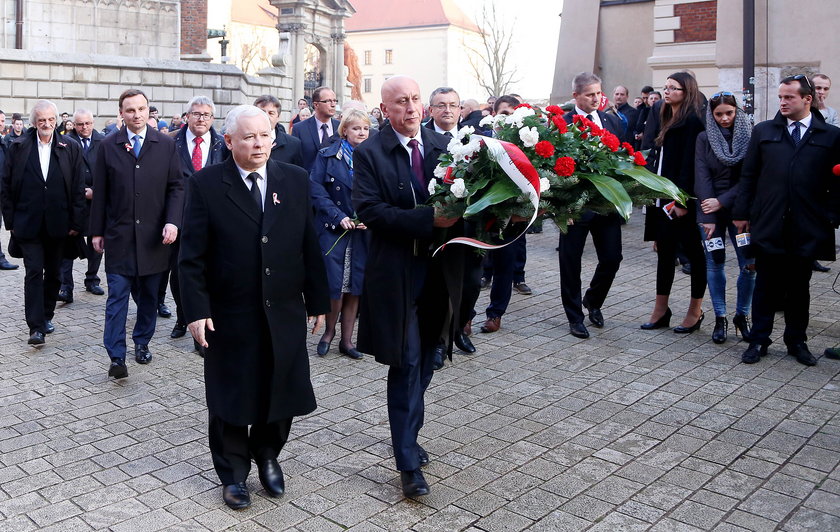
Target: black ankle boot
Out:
[742,326]
[721,327]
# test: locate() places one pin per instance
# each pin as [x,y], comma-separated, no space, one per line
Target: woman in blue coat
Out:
[331,183]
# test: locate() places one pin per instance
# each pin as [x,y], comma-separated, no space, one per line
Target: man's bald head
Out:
[402,104]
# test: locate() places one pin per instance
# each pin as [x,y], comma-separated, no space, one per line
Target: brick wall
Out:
[193,27]
[698,21]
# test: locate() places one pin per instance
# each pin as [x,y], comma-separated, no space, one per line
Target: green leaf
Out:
[498,192]
[612,191]
[654,182]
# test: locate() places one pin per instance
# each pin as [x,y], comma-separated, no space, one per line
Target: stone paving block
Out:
[809,519]
[824,501]
[587,507]
[751,521]
[769,504]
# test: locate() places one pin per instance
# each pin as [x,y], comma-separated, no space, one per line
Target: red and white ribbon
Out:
[519,169]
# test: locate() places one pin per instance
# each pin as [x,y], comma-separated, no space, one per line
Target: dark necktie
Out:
[325,136]
[589,117]
[255,189]
[417,164]
[796,135]
[448,134]
[86,144]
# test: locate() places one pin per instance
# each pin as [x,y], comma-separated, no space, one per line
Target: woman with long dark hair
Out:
[670,224]
[720,153]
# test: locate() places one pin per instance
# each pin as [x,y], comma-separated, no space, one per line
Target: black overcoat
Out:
[258,281]
[385,201]
[89,160]
[133,199]
[788,192]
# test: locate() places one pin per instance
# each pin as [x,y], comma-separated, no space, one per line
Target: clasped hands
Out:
[347,224]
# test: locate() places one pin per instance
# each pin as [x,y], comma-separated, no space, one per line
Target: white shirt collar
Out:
[191,136]
[142,134]
[595,117]
[404,140]
[328,123]
[245,173]
[440,130]
[806,122]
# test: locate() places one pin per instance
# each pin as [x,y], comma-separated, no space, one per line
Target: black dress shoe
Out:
[595,316]
[463,342]
[802,354]
[753,353]
[351,352]
[95,289]
[322,349]
[118,369]
[832,353]
[439,355]
[178,331]
[579,330]
[422,456]
[271,477]
[6,265]
[65,296]
[142,354]
[680,329]
[236,496]
[163,311]
[721,328]
[817,267]
[49,328]
[413,483]
[686,268]
[664,321]
[36,338]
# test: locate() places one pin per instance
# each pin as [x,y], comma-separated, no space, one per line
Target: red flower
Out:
[554,109]
[639,159]
[448,179]
[584,136]
[544,149]
[836,170]
[577,119]
[594,129]
[565,166]
[628,147]
[528,105]
[610,141]
[559,123]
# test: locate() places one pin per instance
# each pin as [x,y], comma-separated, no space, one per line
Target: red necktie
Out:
[196,154]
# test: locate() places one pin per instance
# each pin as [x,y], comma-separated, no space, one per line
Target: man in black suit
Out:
[198,145]
[285,148]
[134,217]
[407,294]
[605,229]
[89,139]
[251,271]
[789,201]
[320,129]
[43,202]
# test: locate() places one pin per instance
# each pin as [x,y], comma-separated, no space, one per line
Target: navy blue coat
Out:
[310,139]
[330,186]
[218,151]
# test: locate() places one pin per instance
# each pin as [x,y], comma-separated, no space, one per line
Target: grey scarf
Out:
[730,155]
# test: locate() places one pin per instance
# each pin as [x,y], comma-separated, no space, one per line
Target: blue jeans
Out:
[716,276]
[144,289]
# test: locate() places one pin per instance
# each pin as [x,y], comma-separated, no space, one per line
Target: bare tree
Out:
[254,57]
[489,64]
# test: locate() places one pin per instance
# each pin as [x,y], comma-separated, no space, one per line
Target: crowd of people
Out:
[258,231]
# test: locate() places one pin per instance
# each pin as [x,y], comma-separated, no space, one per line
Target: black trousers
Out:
[170,278]
[233,446]
[782,282]
[472,285]
[680,231]
[606,237]
[94,260]
[42,260]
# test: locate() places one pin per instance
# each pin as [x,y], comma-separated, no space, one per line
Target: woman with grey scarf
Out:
[720,152]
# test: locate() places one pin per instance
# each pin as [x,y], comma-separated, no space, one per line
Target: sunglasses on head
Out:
[720,94]
[800,77]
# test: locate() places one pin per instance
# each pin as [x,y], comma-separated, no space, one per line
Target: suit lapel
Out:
[316,135]
[274,188]
[238,191]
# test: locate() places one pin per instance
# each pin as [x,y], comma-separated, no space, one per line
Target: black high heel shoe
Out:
[664,321]
[679,329]
[742,326]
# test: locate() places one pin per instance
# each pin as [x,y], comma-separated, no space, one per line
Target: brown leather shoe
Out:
[468,328]
[492,325]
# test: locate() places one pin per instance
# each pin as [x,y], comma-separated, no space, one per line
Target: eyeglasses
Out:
[445,106]
[201,116]
[330,102]
[84,123]
[671,89]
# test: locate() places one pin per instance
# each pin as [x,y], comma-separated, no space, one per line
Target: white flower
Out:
[464,131]
[459,188]
[529,136]
[544,184]
[432,184]
[518,116]
[488,121]
[460,151]
[440,171]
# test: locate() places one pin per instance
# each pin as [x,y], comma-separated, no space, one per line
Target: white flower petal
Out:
[432,183]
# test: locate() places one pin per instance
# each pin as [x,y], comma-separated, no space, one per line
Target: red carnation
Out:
[639,159]
[528,105]
[576,119]
[836,170]
[628,147]
[560,124]
[565,166]
[554,109]
[584,136]
[594,129]
[610,141]
[544,149]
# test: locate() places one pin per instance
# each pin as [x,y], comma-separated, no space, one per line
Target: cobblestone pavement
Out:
[628,430]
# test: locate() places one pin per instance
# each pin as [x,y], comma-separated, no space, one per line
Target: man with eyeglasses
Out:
[445,108]
[321,129]
[285,148]
[789,200]
[89,139]
[198,145]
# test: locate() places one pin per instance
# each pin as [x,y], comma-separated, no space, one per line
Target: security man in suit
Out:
[320,129]
[43,203]
[134,218]
[409,297]
[286,148]
[251,272]
[605,229]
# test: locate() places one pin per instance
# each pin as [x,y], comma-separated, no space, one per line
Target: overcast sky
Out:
[534,39]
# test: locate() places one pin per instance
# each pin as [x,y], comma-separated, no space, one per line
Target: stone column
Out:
[337,81]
